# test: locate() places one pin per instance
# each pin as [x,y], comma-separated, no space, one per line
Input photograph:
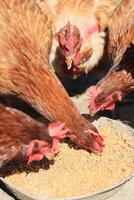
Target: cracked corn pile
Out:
[77,172]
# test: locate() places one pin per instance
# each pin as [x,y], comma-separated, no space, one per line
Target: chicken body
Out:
[77,40]
[25,44]
[120,79]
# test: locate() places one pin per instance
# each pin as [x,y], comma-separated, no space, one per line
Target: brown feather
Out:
[104,11]
[121,30]
[17,130]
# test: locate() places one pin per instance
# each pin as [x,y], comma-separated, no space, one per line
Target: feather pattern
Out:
[104,10]
[17,130]
[121,30]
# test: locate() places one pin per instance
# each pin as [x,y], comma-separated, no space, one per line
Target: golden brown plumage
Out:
[104,11]
[121,30]
[120,79]
[25,43]
[87,48]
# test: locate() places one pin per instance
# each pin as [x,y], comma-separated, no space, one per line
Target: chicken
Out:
[25,43]
[120,79]
[77,42]
[22,135]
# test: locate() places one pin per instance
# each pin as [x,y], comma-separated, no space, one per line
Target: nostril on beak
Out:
[92,113]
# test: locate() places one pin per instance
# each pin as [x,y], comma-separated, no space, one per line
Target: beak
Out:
[69,61]
[92,112]
[75,76]
[49,156]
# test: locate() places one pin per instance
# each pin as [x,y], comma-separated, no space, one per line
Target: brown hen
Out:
[120,79]
[78,41]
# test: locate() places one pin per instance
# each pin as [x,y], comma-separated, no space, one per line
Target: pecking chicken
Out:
[77,42]
[120,79]
[25,44]
[22,135]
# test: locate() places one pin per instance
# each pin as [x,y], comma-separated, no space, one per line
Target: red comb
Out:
[92,92]
[57,131]
[69,38]
[98,144]
[43,149]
